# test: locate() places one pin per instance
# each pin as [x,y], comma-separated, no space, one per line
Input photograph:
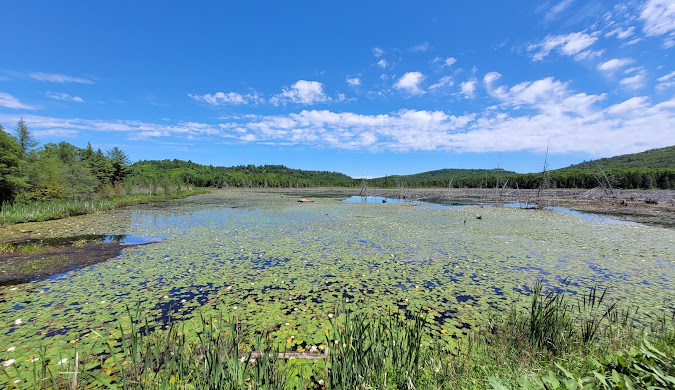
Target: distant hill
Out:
[437,178]
[654,158]
[651,169]
[188,172]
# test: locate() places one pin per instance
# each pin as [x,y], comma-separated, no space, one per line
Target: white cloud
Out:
[557,9]
[634,104]
[382,63]
[573,44]
[423,47]
[491,77]
[9,101]
[573,122]
[377,52]
[633,82]
[621,33]
[450,61]
[60,78]
[354,81]
[220,98]
[444,81]
[132,129]
[658,17]
[410,82]
[65,96]
[468,88]
[666,81]
[615,63]
[303,91]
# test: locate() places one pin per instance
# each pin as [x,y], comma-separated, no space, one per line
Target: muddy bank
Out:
[54,260]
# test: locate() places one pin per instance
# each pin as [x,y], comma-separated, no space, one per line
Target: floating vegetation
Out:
[284,267]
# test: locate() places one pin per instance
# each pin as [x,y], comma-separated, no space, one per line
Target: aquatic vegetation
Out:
[282,267]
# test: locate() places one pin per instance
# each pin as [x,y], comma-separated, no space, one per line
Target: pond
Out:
[285,266]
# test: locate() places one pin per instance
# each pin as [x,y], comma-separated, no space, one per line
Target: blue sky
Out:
[364,88]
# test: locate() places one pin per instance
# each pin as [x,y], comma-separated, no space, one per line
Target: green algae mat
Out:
[278,265]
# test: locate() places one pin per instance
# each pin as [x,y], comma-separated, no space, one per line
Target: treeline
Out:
[64,171]
[249,176]
[639,178]
[57,171]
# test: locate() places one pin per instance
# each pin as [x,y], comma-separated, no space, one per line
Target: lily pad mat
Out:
[276,264]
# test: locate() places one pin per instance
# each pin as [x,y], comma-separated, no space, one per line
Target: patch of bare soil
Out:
[54,260]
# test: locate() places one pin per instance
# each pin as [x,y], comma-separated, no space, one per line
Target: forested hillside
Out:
[654,158]
[237,176]
[438,178]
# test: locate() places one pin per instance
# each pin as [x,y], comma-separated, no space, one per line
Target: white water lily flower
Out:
[62,361]
[9,362]
[18,321]
[10,349]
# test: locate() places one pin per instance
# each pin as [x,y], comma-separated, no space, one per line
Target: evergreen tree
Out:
[22,135]
[120,163]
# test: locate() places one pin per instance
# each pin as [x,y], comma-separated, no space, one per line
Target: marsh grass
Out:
[561,341]
[37,211]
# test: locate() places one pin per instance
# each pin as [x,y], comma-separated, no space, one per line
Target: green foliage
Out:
[654,158]
[120,165]
[375,352]
[11,180]
[249,176]
[22,135]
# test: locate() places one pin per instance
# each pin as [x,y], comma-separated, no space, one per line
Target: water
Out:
[270,261]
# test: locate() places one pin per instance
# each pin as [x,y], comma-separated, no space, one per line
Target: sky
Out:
[365,88]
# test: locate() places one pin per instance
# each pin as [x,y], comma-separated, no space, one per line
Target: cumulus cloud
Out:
[303,91]
[354,81]
[468,88]
[382,63]
[573,121]
[410,82]
[9,101]
[632,105]
[633,82]
[450,61]
[65,96]
[220,98]
[614,64]
[573,44]
[491,77]
[59,78]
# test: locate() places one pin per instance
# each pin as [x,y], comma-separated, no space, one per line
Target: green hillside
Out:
[437,178]
[654,158]
[178,171]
